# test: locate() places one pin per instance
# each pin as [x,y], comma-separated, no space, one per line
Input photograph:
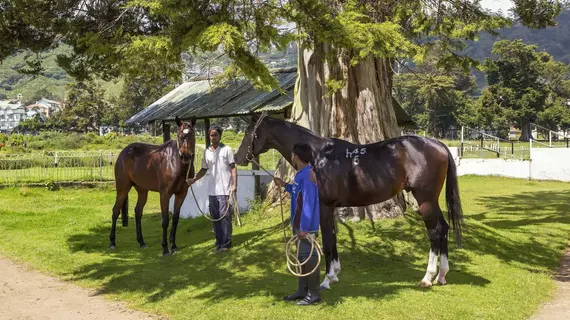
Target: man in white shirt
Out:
[219,160]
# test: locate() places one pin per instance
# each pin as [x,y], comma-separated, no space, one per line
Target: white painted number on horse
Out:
[355,153]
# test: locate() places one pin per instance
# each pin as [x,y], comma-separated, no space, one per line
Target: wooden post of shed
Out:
[165,131]
[206,132]
[256,178]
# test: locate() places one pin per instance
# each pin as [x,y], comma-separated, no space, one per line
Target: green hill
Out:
[54,79]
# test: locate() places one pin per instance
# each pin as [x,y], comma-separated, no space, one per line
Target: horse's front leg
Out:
[164,199]
[178,201]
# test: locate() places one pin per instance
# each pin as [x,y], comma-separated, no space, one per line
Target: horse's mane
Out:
[294,126]
[164,146]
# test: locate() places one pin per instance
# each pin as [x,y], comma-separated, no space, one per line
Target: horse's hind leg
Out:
[443,262]
[120,204]
[432,216]
[141,202]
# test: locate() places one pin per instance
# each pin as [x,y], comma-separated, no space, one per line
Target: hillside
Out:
[53,81]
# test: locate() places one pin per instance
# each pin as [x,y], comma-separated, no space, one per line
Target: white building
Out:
[11,113]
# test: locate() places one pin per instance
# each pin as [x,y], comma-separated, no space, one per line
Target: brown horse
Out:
[351,175]
[162,169]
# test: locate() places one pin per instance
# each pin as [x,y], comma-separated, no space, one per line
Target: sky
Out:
[495,5]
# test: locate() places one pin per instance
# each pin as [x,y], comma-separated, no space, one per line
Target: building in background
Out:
[44,107]
[11,113]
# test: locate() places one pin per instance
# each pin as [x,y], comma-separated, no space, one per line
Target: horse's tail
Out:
[125,212]
[454,210]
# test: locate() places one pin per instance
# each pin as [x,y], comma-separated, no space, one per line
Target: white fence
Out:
[544,164]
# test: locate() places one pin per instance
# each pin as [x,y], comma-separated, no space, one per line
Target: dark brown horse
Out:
[162,169]
[351,175]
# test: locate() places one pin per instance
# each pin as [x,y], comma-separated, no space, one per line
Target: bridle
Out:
[249,156]
[178,146]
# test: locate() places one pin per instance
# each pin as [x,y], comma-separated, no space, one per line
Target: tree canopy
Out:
[523,83]
[145,38]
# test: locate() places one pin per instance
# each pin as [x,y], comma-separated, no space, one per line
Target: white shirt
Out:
[218,162]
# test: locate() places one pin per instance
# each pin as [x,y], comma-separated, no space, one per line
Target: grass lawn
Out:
[515,233]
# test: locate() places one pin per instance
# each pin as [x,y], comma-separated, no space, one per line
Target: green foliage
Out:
[145,38]
[522,84]
[436,99]
[556,116]
[56,141]
[51,186]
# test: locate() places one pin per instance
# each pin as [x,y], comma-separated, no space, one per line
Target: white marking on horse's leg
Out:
[336,266]
[326,284]
[330,276]
[443,268]
[431,270]
[335,269]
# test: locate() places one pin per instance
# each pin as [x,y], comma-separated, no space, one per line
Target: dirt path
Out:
[26,294]
[559,307]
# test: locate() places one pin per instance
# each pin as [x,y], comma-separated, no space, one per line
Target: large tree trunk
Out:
[359,110]
[526,131]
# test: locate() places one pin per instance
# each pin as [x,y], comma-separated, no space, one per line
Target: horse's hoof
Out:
[112,247]
[441,282]
[166,254]
[425,284]
[323,288]
[173,250]
[143,246]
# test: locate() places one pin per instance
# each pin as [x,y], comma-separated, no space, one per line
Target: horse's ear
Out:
[193,121]
[178,122]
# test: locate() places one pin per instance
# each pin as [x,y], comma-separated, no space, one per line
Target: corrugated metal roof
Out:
[237,98]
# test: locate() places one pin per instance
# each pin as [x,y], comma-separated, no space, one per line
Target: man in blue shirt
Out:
[305,213]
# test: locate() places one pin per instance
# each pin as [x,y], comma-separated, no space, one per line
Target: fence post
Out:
[100,165]
[498,148]
[550,139]
[512,147]
[56,159]
[461,153]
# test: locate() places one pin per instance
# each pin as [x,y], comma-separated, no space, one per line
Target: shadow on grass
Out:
[373,269]
[518,226]
[389,260]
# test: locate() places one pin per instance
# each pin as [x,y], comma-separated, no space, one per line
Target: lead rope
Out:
[233,198]
[293,259]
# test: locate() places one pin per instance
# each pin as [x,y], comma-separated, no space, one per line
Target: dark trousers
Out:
[304,249]
[223,228]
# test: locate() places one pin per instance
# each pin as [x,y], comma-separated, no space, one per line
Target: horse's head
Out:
[254,141]
[186,139]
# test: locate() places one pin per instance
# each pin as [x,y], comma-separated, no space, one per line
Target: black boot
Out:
[313,296]
[301,290]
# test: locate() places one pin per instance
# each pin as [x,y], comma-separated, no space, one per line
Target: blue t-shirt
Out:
[305,209]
